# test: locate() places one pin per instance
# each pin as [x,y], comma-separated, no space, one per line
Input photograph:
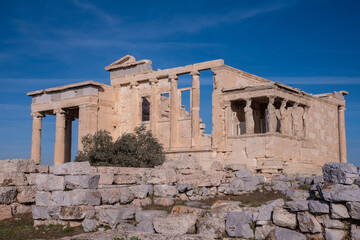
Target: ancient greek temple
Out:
[264,125]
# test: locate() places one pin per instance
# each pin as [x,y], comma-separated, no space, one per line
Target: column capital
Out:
[342,108]
[37,115]
[134,84]
[59,111]
[173,77]
[195,72]
[153,81]
[89,106]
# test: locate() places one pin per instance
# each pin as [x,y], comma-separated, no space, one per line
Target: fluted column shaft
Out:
[195,110]
[36,137]
[135,102]
[59,153]
[342,135]
[174,112]
[154,106]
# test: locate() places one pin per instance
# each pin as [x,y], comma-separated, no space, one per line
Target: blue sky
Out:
[313,45]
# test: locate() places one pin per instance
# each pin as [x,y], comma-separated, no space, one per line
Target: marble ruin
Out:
[266,126]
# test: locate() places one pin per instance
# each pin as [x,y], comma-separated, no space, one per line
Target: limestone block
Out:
[77,197]
[284,218]
[163,201]
[7,195]
[319,207]
[344,173]
[327,222]
[49,183]
[113,216]
[106,178]
[89,225]
[225,188]
[234,167]
[39,212]
[165,191]
[76,212]
[81,181]
[17,165]
[17,208]
[141,191]
[238,224]
[26,194]
[210,226]
[44,199]
[297,194]
[308,223]
[126,179]
[116,194]
[149,215]
[354,209]
[221,207]
[243,173]
[160,176]
[72,168]
[355,232]
[31,177]
[339,211]
[265,211]
[145,226]
[285,234]
[298,205]
[186,209]
[175,224]
[12,179]
[332,234]
[183,187]
[125,227]
[261,232]
[255,147]
[5,212]
[341,193]
[42,168]
[281,186]
[200,180]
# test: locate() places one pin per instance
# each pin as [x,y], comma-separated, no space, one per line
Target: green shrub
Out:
[138,149]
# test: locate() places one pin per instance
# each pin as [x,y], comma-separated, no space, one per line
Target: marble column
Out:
[36,137]
[88,122]
[174,112]
[68,135]
[195,109]
[271,117]
[59,153]
[135,103]
[249,117]
[154,106]
[342,135]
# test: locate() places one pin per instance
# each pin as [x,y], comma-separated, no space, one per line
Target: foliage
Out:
[138,149]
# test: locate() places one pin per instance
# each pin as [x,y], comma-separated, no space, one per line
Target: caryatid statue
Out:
[271,116]
[249,118]
[284,119]
[305,118]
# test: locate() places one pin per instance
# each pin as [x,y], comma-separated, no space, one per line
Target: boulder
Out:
[82,181]
[7,195]
[327,222]
[113,216]
[17,166]
[238,186]
[238,224]
[339,211]
[77,197]
[162,201]
[332,234]
[308,223]
[45,182]
[354,209]
[185,209]
[5,212]
[318,207]
[282,217]
[243,173]
[12,179]
[148,215]
[116,194]
[298,205]
[221,207]
[145,226]
[160,176]
[44,199]
[265,211]
[141,191]
[73,168]
[262,232]
[165,191]
[281,186]
[183,187]
[297,194]
[125,227]
[210,226]
[343,173]
[341,193]
[26,194]
[355,232]
[76,212]
[90,225]
[225,188]
[285,234]
[175,224]
[39,212]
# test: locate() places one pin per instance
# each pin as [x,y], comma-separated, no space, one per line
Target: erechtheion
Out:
[265,125]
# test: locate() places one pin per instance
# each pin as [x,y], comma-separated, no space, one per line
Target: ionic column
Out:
[36,137]
[68,135]
[271,115]
[342,135]
[174,112]
[135,102]
[195,109]
[59,153]
[154,106]
[249,117]
[88,122]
